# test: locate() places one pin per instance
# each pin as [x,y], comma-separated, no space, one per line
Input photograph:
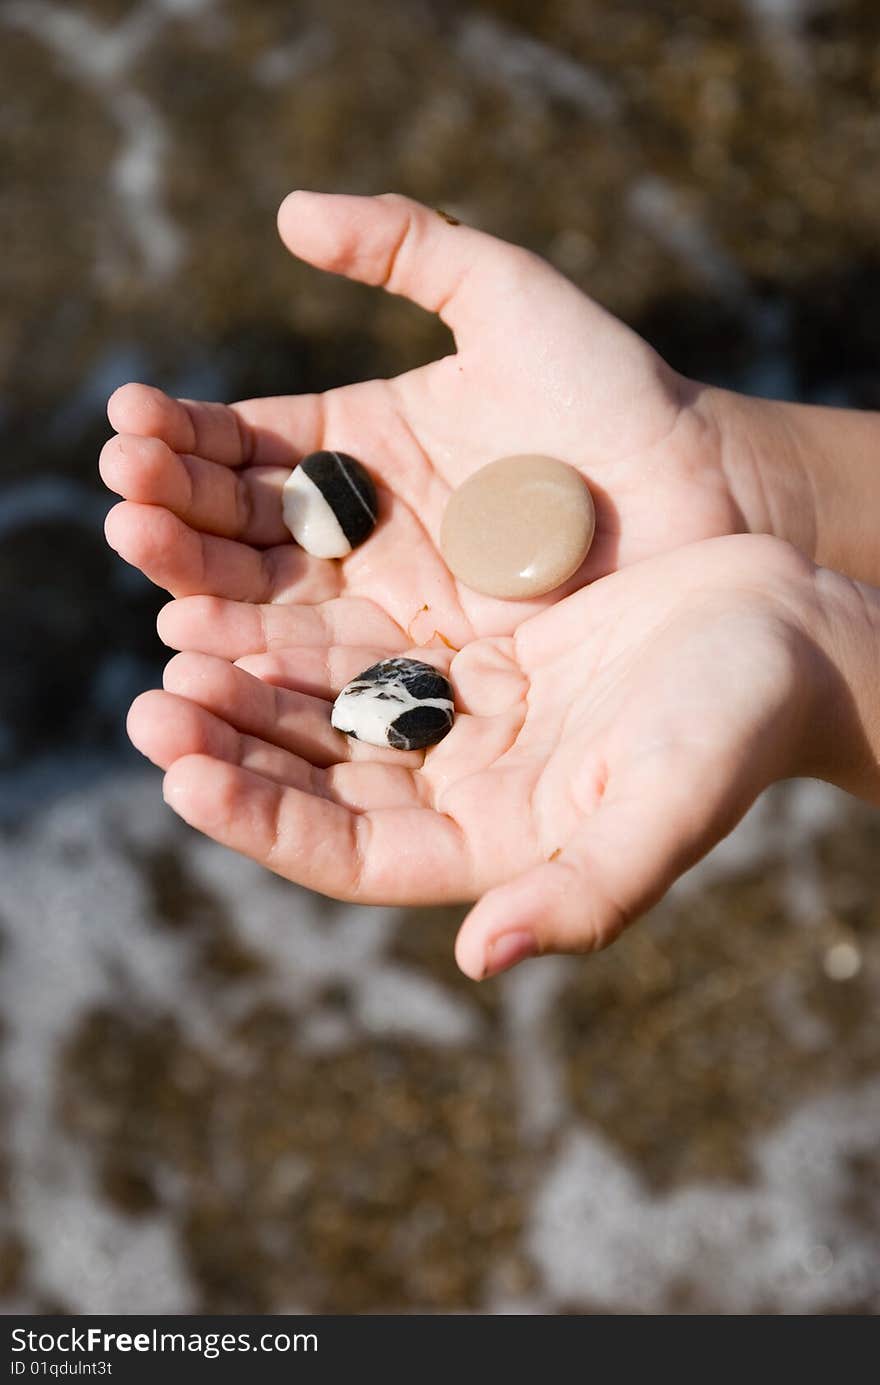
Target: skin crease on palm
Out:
[605,738]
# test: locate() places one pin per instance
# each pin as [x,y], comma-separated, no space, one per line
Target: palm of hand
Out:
[596,754]
[538,367]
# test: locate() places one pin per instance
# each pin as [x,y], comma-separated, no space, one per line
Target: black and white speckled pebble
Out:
[399,702]
[329,504]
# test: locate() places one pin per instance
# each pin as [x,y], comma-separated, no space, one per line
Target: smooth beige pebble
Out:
[518,527]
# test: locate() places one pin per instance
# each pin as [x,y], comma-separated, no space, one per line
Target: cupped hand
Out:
[537,367]
[596,754]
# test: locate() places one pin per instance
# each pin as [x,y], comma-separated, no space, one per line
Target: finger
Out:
[215,499]
[325,672]
[617,865]
[234,629]
[404,247]
[165,727]
[296,721]
[184,562]
[218,432]
[390,856]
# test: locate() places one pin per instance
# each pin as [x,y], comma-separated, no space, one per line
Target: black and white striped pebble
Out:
[329,504]
[399,702]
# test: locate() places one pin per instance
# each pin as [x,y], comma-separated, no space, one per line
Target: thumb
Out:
[408,249]
[619,863]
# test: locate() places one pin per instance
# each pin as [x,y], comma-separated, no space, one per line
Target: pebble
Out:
[518,527]
[399,702]
[329,504]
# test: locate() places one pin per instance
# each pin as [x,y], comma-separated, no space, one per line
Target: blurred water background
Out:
[223,1094]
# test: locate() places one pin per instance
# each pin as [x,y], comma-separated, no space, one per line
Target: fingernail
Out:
[510,948]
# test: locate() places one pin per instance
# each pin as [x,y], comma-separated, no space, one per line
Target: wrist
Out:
[841,744]
[805,473]
[764,464]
